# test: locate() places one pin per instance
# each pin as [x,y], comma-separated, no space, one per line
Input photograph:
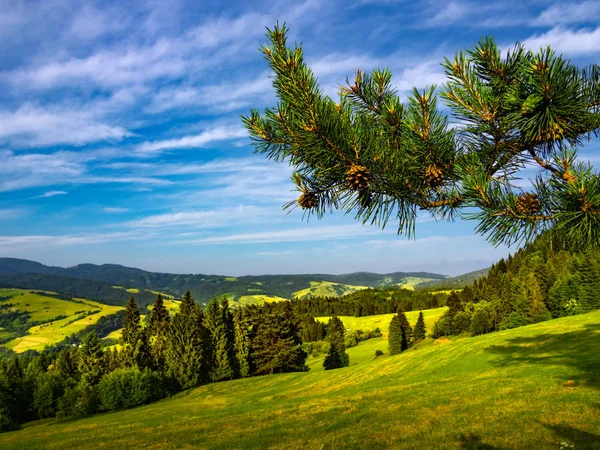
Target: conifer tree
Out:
[219,323]
[337,356]
[183,353]
[419,332]
[372,155]
[406,330]
[276,344]
[159,317]
[90,359]
[186,306]
[242,342]
[66,363]
[131,326]
[395,336]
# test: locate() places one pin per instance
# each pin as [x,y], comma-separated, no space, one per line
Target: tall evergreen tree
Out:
[186,307]
[395,336]
[131,326]
[276,346]
[337,356]
[419,331]
[159,317]
[406,330]
[242,342]
[91,359]
[183,353]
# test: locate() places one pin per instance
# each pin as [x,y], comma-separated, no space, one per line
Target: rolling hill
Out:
[98,280]
[532,387]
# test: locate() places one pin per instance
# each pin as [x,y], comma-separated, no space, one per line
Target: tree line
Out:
[369,302]
[544,280]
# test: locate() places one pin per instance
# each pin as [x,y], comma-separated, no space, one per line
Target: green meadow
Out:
[533,387]
[45,310]
[382,321]
[327,289]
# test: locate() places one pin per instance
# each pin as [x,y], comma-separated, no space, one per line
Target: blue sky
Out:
[120,138]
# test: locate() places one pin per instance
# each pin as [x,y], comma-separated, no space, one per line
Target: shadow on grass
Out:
[579,438]
[575,349]
[474,442]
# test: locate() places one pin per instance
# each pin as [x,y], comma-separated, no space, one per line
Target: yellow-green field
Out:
[411,282]
[369,323]
[327,289]
[528,388]
[45,309]
[258,299]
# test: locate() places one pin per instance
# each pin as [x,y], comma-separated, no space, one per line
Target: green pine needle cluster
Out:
[380,158]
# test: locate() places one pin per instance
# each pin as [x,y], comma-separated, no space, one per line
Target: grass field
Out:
[258,299]
[45,309]
[327,289]
[529,388]
[411,282]
[369,323]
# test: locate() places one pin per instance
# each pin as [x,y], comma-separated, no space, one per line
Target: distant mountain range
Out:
[109,282]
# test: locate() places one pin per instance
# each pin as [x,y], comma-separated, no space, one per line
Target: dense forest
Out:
[369,302]
[546,279]
[195,346]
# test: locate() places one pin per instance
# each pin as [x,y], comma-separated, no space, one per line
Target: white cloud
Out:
[204,139]
[571,13]
[215,218]
[36,241]
[306,233]
[51,194]
[221,97]
[452,12]
[31,125]
[115,210]
[571,42]
[20,171]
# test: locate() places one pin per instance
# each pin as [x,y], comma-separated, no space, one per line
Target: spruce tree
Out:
[159,317]
[406,330]
[186,306]
[90,358]
[242,342]
[131,325]
[276,344]
[183,353]
[395,336]
[419,332]
[370,154]
[337,356]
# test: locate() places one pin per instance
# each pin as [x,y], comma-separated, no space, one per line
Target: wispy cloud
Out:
[204,139]
[32,125]
[303,234]
[574,13]
[115,210]
[571,42]
[51,194]
[214,218]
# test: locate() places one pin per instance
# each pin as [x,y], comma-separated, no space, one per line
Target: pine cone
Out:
[308,200]
[434,175]
[358,177]
[528,204]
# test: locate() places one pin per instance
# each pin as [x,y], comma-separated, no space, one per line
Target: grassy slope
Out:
[45,309]
[382,321]
[327,289]
[502,390]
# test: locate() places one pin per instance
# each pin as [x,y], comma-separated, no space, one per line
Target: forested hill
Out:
[203,287]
